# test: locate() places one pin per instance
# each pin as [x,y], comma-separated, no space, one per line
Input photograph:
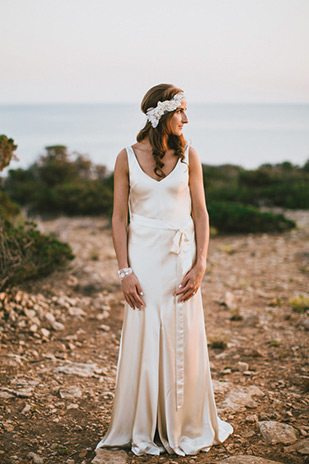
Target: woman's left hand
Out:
[190,283]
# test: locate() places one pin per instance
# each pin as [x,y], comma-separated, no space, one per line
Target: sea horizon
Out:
[245,134]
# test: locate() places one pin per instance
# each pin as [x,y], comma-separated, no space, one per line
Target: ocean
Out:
[244,134]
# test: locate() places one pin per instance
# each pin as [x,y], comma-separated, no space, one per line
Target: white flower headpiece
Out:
[154,114]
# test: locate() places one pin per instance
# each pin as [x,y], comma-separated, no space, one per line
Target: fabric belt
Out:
[181,247]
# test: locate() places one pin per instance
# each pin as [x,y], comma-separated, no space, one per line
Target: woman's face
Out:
[179,118]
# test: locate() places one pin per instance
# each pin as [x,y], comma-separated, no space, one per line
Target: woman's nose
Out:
[185,118]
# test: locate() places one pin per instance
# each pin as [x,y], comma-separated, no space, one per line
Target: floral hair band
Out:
[154,114]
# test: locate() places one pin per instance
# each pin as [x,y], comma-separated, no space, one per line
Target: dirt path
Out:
[60,342]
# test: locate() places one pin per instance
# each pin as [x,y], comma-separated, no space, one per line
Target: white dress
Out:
[164,399]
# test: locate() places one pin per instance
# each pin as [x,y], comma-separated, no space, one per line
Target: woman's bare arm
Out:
[130,285]
[120,209]
[199,210]
[192,280]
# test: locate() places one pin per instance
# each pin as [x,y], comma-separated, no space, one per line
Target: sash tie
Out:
[181,247]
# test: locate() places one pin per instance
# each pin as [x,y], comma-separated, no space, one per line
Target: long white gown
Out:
[164,399]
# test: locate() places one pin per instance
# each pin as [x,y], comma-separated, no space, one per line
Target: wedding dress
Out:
[164,399]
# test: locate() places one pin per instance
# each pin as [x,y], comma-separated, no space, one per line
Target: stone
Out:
[75,311]
[52,322]
[305,323]
[58,326]
[236,397]
[252,320]
[105,456]
[228,300]
[11,359]
[252,418]
[247,459]
[45,332]
[242,366]
[302,446]
[35,458]
[70,392]
[104,327]
[277,432]
[251,404]
[72,406]
[6,394]
[26,409]
[79,369]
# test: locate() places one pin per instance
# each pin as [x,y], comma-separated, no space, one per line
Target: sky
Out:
[217,51]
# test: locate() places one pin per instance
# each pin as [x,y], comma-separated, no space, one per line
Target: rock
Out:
[228,300]
[242,366]
[75,311]
[72,406]
[26,409]
[80,369]
[252,321]
[305,323]
[45,332]
[70,392]
[246,459]
[58,326]
[302,446]
[35,458]
[6,394]
[252,418]
[251,404]
[236,397]
[105,456]
[104,327]
[276,432]
[11,359]
[53,323]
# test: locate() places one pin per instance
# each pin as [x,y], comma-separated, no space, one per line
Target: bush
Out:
[282,184]
[60,183]
[237,218]
[25,253]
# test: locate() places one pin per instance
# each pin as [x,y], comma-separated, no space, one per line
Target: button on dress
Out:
[164,399]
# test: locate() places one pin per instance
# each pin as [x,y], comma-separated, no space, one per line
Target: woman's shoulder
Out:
[193,156]
[121,162]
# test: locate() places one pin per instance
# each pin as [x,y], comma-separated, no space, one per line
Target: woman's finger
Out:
[129,301]
[189,294]
[189,285]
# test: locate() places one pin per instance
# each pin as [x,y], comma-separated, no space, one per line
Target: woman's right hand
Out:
[132,290]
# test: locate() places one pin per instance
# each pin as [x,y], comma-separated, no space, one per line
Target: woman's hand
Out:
[190,283]
[132,290]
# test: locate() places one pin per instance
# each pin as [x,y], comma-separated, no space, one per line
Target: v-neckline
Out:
[147,175]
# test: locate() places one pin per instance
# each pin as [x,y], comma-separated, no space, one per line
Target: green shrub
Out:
[60,183]
[282,184]
[25,253]
[7,206]
[237,218]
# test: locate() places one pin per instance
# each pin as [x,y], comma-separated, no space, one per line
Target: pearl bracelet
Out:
[124,272]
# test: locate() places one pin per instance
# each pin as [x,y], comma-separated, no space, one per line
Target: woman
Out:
[164,400]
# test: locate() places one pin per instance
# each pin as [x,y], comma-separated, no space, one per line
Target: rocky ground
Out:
[60,341]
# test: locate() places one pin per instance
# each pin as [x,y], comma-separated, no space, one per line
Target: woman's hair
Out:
[161,137]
